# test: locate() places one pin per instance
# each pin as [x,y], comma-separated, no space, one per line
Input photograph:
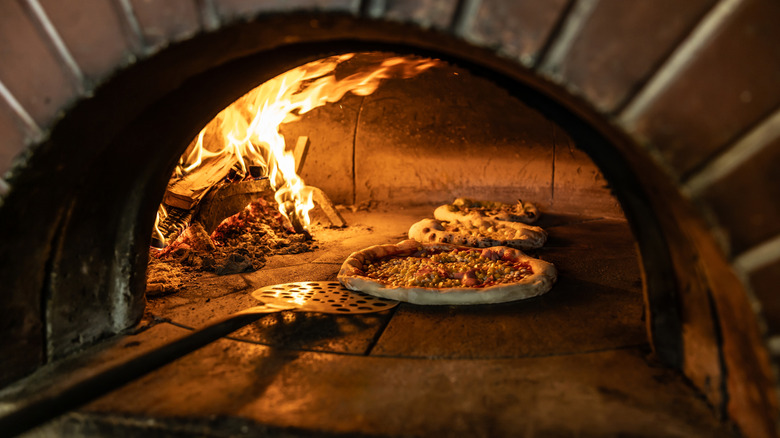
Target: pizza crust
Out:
[352,277]
[512,234]
[481,213]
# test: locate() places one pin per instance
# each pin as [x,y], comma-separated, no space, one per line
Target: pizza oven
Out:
[646,135]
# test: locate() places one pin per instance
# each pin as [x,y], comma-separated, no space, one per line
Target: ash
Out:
[240,244]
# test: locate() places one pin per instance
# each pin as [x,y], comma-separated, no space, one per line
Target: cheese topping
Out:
[456,268]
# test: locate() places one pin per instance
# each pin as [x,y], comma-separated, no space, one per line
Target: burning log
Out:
[227,200]
[187,191]
[300,151]
[194,237]
[296,221]
[175,221]
[197,237]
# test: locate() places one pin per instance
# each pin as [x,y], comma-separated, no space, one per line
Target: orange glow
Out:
[161,211]
[246,133]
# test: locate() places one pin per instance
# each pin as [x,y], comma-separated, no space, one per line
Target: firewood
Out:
[227,200]
[321,199]
[300,151]
[197,237]
[188,190]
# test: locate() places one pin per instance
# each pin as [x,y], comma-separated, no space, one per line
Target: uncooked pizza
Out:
[499,233]
[476,213]
[426,273]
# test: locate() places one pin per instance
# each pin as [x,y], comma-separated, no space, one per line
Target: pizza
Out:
[477,213]
[512,234]
[432,273]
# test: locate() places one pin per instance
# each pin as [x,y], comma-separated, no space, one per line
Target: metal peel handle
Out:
[47,406]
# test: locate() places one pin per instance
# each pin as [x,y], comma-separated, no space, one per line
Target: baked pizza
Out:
[429,273]
[499,233]
[477,213]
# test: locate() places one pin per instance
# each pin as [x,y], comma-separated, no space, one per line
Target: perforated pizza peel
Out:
[320,297]
[310,296]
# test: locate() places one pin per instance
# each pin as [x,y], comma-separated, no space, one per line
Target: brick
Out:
[751,394]
[745,202]
[166,20]
[233,9]
[13,138]
[698,325]
[249,389]
[21,349]
[30,68]
[517,28]
[729,86]
[622,42]
[764,282]
[95,33]
[426,13]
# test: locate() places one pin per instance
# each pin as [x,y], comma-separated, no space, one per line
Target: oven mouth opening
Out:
[381,160]
[389,219]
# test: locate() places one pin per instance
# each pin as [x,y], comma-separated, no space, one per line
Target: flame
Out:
[247,132]
[161,211]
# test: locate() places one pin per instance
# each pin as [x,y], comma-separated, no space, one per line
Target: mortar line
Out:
[269,345]
[135,26]
[552,38]
[656,66]
[341,353]
[463,16]
[759,256]
[138,329]
[372,8]
[17,108]
[208,13]
[678,61]
[748,146]
[381,331]
[539,356]
[774,345]
[570,29]
[62,50]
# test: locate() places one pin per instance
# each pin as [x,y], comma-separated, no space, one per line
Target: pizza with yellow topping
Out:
[427,273]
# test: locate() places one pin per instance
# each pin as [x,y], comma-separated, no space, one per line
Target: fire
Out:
[246,133]
[161,211]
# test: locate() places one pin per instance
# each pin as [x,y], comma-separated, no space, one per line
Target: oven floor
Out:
[574,362]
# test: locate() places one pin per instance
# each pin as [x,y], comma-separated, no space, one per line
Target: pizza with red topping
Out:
[426,273]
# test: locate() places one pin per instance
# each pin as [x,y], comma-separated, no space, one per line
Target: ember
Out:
[239,244]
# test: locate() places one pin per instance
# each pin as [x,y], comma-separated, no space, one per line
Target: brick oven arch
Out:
[104,92]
